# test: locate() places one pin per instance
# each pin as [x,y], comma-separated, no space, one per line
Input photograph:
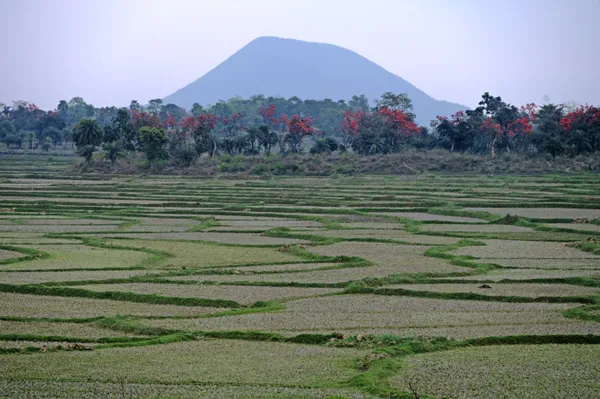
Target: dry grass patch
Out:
[83,390]
[196,254]
[241,294]
[576,226]
[526,274]
[509,249]
[400,258]
[57,228]
[54,345]
[34,238]
[472,331]
[168,221]
[549,264]
[213,361]
[518,289]
[476,228]
[50,277]
[58,329]
[238,228]
[428,265]
[159,228]
[81,256]
[397,235]
[543,213]
[4,254]
[422,216]
[282,268]
[372,225]
[226,238]
[67,200]
[73,222]
[360,313]
[272,223]
[40,306]
[515,371]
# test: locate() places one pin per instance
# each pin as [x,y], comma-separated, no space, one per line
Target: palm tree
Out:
[87,132]
[324,146]
[87,152]
[113,151]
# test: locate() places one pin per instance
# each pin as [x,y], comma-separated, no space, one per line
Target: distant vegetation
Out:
[166,134]
[287,68]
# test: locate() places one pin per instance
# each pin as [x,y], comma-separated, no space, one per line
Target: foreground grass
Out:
[210,361]
[209,302]
[532,371]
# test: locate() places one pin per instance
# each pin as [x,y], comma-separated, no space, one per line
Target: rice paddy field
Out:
[423,286]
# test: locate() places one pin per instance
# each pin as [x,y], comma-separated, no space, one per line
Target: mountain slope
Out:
[285,67]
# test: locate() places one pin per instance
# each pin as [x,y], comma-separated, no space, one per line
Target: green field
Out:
[458,286]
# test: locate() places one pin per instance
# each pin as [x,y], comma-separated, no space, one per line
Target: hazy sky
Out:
[112,51]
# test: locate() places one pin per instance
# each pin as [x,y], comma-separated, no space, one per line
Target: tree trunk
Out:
[281,145]
[494,147]
[214,147]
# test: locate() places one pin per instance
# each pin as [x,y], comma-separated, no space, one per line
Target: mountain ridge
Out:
[285,68]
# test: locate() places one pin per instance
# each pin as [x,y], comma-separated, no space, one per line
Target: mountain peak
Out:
[276,66]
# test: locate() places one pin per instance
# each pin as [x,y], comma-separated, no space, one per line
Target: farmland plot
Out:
[362,287]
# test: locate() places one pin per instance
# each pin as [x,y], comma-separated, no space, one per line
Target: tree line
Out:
[261,125]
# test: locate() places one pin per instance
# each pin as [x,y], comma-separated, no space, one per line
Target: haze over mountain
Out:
[285,67]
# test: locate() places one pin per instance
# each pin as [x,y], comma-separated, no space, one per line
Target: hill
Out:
[286,67]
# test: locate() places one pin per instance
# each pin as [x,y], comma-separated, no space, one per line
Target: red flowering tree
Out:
[399,126]
[202,133]
[350,124]
[145,119]
[582,127]
[232,125]
[268,115]
[504,121]
[170,123]
[298,129]
[582,118]
[492,129]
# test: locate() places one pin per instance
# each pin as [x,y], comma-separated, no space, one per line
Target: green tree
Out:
[7,128]
[267,138]
[54,134]
[197,109]
[63,109]
[30,136]
[155,106]
[14,140]
[153,141]
[112,151]
[393,101]
[87,132]
[86,152]
[66,136]
[46,144]
[134,105]
[359,103]
[184,155]
[324,145]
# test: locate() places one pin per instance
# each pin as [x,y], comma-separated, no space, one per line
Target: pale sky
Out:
[112,51]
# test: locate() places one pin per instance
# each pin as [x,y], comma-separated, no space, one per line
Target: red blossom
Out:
[582,117]
[233,124]
[399,121]
[145,119]
[206,121]
[268,114]
[189,124]
[170,121]
[299,126]
[351,122]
